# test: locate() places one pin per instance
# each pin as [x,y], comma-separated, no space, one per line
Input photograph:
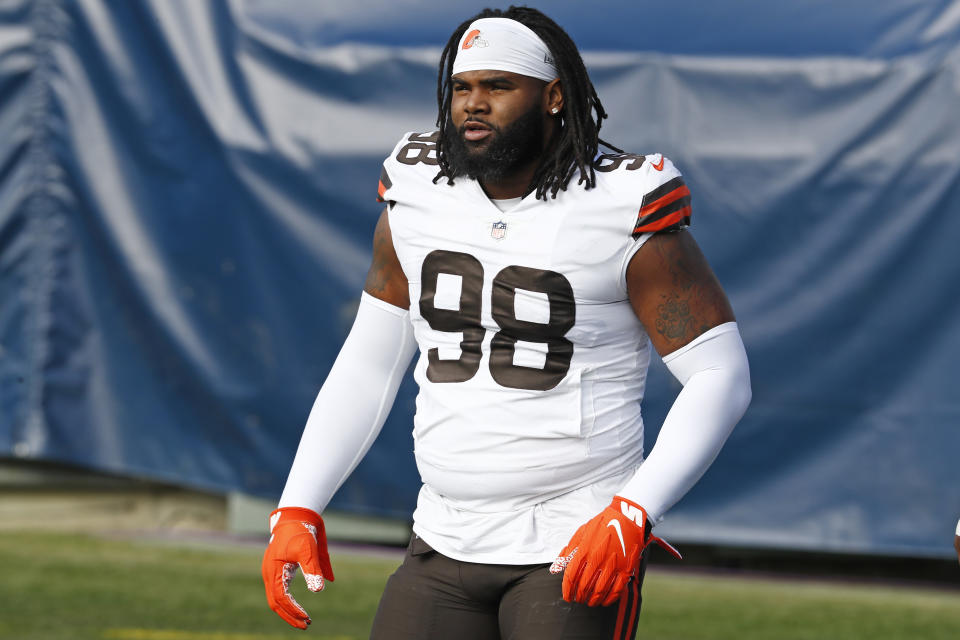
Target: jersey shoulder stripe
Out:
[385,183]
[666,208]
[665,201]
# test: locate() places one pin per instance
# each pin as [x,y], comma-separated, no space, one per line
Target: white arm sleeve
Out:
[715,375]
[352,405]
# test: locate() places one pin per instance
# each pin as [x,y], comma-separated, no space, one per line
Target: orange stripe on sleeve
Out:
[664,200]
[664,222]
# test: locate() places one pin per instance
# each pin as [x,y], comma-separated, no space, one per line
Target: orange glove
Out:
[605,553]
[297,537]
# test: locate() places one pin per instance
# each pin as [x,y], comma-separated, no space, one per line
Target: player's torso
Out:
[532,362]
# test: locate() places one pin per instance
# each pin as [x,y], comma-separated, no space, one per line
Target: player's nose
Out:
[476,102]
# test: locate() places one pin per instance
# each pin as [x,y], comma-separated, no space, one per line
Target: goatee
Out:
[510,148]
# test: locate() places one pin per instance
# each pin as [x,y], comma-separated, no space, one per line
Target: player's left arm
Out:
[679,301]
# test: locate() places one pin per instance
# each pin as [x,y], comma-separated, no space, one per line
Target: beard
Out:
[500,154]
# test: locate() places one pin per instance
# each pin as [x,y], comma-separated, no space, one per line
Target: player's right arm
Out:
[347,415]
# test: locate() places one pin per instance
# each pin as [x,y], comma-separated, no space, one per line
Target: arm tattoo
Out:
[688,308]
[386,279]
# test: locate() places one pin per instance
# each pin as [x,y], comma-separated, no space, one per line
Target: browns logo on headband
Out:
[473,38]
[502,44]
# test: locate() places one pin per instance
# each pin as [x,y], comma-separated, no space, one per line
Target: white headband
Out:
[502,44]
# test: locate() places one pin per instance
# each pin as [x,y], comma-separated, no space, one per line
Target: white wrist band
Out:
[352,404]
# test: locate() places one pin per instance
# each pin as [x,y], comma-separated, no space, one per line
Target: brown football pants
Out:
[433,597]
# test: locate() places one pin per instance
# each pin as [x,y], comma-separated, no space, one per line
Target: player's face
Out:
[499,122]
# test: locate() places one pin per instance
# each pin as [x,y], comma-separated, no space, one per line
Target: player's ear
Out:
[553,97]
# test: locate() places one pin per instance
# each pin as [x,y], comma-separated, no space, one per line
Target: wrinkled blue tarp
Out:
[187,200]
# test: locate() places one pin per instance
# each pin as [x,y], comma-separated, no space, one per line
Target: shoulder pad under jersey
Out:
[652,184]
[412,163]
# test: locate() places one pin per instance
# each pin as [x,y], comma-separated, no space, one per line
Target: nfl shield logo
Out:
[498,230]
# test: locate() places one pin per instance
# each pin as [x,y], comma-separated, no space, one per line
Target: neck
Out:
[514,185]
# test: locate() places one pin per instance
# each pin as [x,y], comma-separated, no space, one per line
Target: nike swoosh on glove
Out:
[297,537]
[605,553]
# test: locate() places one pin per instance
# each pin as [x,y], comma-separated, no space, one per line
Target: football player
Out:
[534,274]
[956,540]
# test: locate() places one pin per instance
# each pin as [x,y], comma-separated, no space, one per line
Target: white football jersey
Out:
[532,363]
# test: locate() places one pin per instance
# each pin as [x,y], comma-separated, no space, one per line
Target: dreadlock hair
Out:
[577,143]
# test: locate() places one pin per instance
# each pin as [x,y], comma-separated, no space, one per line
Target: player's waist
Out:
[505,481]
[512,532]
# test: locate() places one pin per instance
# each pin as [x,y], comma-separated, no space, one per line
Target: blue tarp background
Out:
[187,201]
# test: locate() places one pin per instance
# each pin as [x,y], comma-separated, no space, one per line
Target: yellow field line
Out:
[175,634]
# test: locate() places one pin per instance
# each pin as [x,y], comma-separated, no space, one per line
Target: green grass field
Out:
[62,587]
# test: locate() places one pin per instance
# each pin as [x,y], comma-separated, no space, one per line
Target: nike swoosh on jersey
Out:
[616,525]
[659,165]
